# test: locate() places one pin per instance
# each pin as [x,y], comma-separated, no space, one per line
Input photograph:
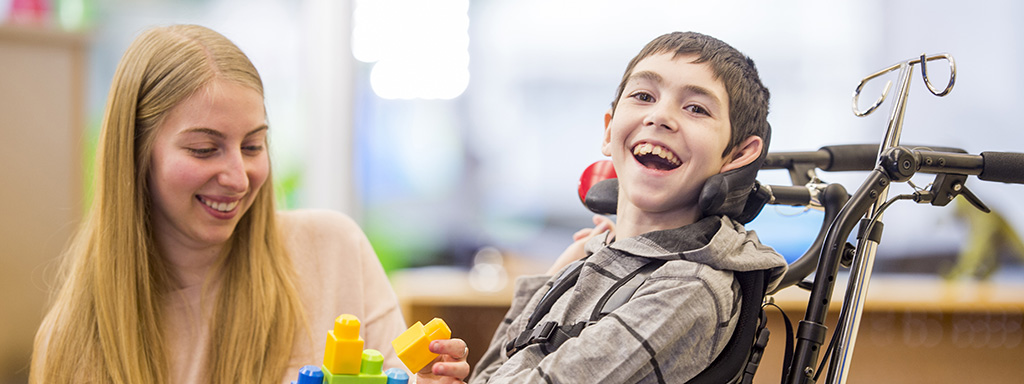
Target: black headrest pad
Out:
[726,193]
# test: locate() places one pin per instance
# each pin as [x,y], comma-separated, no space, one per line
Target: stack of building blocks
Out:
[412,346]
[346,362]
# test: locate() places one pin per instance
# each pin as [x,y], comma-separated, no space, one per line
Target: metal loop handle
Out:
[877,103]
[952,73]
[923,59]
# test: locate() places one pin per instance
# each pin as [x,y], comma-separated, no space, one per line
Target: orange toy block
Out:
[344,351]
[412,345]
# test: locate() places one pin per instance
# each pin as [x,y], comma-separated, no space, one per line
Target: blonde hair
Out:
[105,323]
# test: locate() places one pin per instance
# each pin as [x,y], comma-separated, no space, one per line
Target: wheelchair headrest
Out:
[727,193]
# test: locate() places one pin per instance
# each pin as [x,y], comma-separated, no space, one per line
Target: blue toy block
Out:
[397,376]
[310,374]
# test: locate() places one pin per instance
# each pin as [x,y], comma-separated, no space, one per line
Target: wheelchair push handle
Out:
[832,158]
[1006,167]
[851,157]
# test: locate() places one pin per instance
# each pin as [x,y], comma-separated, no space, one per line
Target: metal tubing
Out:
[860,273]
[811,331]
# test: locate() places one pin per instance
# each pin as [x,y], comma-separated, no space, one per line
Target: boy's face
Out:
[667,135]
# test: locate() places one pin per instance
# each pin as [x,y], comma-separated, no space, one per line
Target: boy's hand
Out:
[450,366]
[575,250]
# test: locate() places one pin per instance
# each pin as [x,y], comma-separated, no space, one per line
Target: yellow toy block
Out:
[370,371]
[344,350]
[412,346]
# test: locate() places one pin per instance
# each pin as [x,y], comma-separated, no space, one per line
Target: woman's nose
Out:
[234,173]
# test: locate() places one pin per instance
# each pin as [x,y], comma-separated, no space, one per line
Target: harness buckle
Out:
[536,335]
[543,334]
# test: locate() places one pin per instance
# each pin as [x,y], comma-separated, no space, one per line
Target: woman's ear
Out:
[744,153]
[606,143]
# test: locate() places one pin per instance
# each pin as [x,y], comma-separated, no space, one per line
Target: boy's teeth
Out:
[657,150]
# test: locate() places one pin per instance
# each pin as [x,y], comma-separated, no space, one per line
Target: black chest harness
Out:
[550,335]
[737,363]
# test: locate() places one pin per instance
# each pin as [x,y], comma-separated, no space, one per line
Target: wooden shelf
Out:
[42,120]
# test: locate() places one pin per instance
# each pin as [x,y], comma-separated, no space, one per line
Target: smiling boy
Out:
[689,107]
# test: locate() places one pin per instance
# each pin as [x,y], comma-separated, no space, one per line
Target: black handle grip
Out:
[786,195]
[1007,167]
[852,157]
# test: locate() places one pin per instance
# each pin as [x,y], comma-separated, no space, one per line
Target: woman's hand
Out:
[450,366]
[580,238]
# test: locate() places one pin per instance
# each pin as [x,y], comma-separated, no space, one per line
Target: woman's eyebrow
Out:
[219,134]
[205,131]
[257,130]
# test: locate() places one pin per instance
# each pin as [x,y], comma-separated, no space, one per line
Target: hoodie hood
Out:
[716,241]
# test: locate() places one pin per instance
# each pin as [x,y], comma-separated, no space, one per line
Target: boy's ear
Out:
[744,153]
[606,143]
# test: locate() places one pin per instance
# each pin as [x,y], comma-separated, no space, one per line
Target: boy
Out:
[689,107]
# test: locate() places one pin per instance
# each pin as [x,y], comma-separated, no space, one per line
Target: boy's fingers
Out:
[454,348]
[580,234]
[459,370]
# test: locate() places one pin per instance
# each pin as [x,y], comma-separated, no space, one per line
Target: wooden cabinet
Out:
[42,80]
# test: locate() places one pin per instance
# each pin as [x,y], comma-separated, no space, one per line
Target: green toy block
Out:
[370,371]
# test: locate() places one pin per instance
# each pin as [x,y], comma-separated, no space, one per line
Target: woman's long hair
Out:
[105,323]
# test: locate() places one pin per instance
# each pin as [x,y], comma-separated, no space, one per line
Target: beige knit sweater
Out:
[338,272]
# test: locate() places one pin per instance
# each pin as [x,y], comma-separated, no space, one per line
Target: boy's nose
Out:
[662,116]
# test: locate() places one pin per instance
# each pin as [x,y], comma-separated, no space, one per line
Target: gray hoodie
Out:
[675,325]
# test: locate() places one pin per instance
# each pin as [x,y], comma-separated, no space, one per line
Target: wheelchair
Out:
[738,194]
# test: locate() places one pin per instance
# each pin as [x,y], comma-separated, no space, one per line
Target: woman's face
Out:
[209,161]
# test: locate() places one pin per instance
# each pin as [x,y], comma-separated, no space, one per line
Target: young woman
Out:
[183,271]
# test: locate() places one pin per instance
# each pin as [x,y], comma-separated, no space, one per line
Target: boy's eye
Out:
[643,96]
[698,109]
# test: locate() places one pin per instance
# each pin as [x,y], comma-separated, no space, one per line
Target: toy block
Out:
[369,372]
[310,374]
[396,376]
[342,356]
[412,346]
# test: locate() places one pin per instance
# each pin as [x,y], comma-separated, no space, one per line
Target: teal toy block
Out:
[310,374]
[397,376]
[370,371]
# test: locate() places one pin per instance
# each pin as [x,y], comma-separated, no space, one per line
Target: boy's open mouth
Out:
[655,157]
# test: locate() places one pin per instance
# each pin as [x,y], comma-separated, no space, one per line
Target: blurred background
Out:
[455,131]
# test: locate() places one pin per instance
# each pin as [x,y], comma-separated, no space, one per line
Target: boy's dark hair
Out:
[748,97]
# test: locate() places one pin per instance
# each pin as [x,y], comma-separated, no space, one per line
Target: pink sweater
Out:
[338,273]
